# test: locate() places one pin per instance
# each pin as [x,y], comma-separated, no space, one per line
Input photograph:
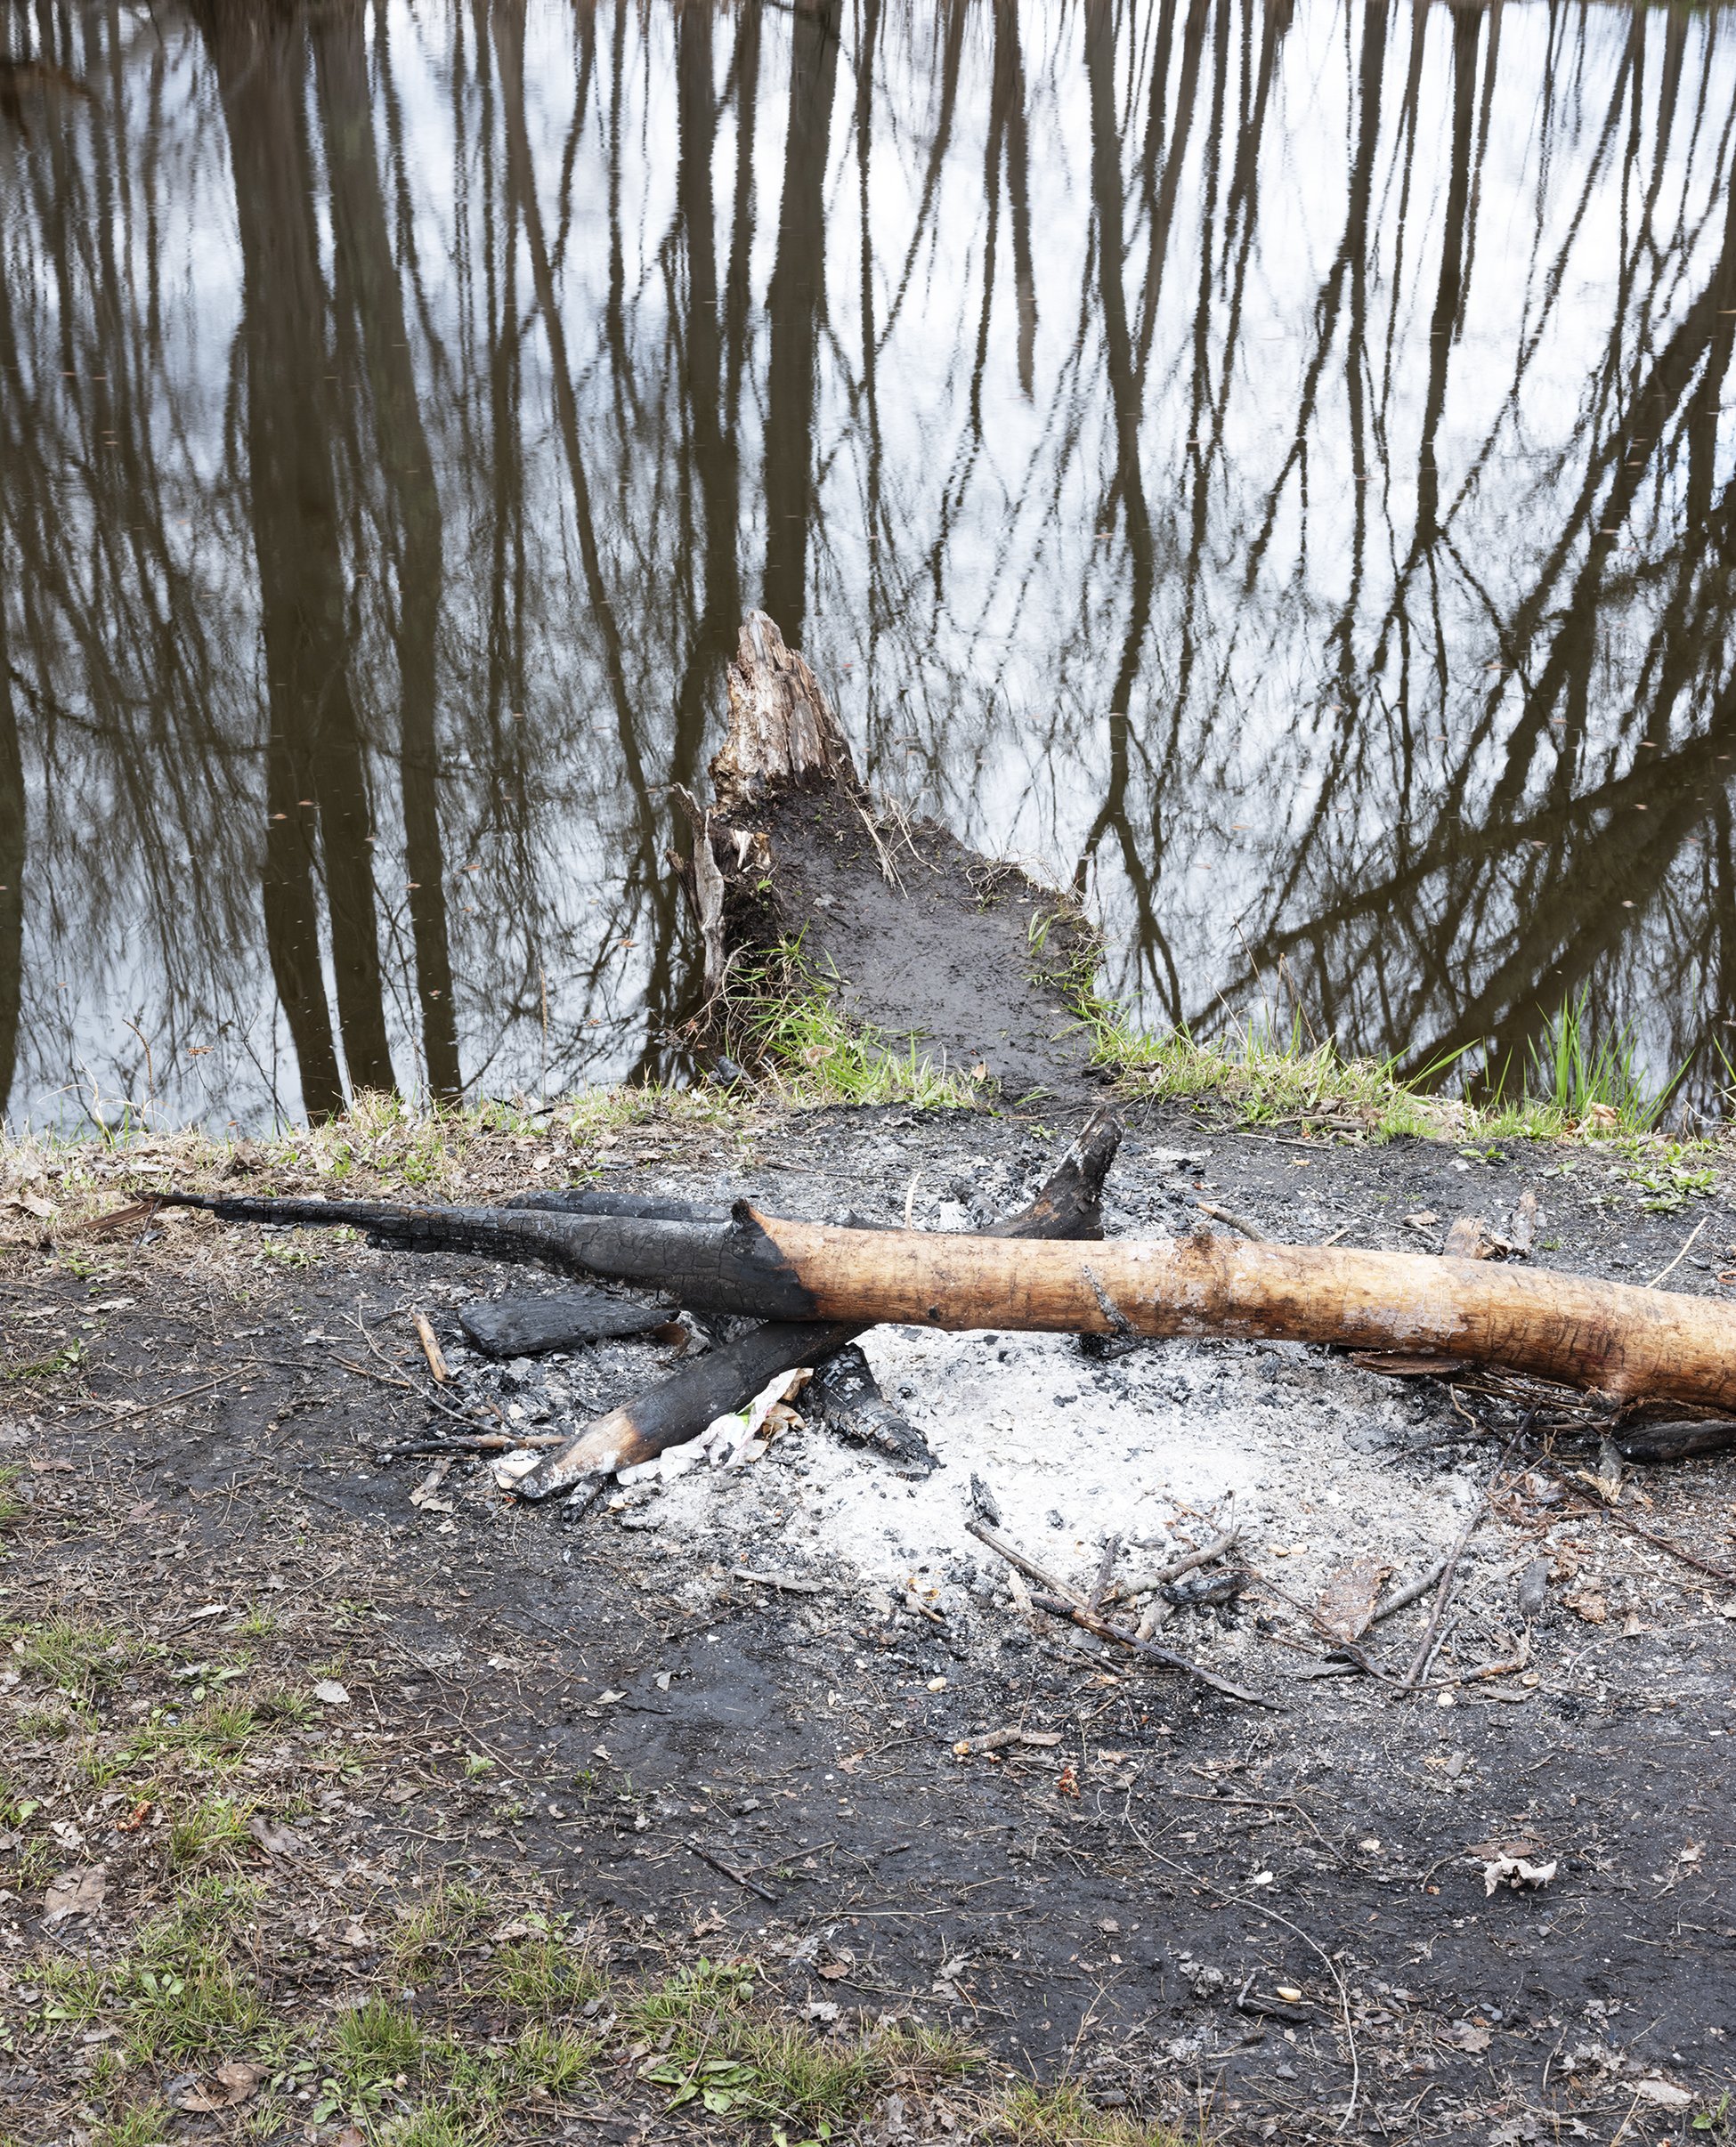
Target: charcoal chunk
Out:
[847,1399]
[526,1325]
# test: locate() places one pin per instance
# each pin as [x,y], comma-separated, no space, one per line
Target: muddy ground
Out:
[560,1712]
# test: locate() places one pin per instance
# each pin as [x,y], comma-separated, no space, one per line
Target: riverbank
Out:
[570,1764]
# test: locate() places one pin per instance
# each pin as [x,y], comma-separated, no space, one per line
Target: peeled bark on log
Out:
[1609,1337]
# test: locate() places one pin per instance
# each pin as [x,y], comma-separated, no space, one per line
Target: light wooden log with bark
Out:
[1611,1338]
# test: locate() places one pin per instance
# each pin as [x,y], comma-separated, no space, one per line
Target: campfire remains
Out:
[791,838]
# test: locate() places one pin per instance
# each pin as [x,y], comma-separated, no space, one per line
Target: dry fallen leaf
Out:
[274,1837]
[1346,1604]
[1516,1871]
[1511,1844]
[1665,2094]
[330,1693]
[77,1892]
[1589,1603]
[231,2084]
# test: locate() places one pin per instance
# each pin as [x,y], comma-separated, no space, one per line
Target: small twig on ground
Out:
[1236,1222]
[140,1211]
[1219,1547]
[431,1349]
[1005,1547]
[787,1584]
[1060,1601]
[1331,1965]
[741,1878]
[1625,1521]
[1433,1633]
[1401,1599]
[128,1412]
[477,1442]
[1681,1255]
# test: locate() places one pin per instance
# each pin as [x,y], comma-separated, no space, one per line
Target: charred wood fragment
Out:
[521,1324]
[1677,1441]
[847,1398]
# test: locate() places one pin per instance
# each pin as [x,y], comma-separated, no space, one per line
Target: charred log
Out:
[1068,1205]
[1610,1338]
[847,1398]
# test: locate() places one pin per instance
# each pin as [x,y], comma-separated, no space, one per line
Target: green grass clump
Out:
[433,1933]
[1586,1078]
[1263,1073]
[84,1661]
[720,2056]
[213,1832]
[437,2125]
[558,2058]
[786,1020]
[545,1974]
[1061,2117]
[142,2125]
[377,2041]
[67,1358]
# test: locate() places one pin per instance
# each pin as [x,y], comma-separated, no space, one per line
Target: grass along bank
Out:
[789,1024]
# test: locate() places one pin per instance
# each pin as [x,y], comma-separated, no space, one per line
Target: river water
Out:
[1269,465]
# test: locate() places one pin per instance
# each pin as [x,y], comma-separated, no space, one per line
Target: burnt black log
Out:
[846,1396]
[1676,1441]
[1068,1205]
[522,1324]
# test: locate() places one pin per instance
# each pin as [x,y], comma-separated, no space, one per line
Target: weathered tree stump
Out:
[923,939]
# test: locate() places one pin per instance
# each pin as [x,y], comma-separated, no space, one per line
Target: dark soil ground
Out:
[447,1729]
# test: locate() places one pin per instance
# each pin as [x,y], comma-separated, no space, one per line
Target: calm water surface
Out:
[1273,465]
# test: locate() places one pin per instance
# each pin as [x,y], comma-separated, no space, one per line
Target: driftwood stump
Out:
[923,940]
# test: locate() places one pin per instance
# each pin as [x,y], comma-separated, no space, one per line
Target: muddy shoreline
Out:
[1121,1906]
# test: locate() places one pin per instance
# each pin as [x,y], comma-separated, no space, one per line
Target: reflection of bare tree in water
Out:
[1220,513]
[11,871]
[367,280]
[795,302]
[316,789]
[1543,876]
